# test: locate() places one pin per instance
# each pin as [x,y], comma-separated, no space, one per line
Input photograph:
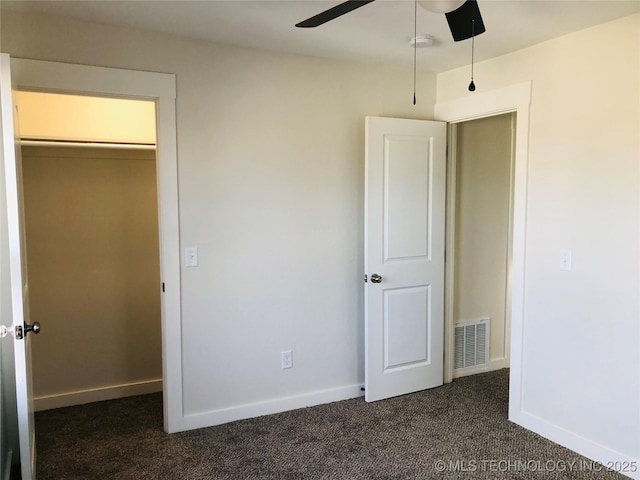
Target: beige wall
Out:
[271,168]
[483,174]
[48,116]
[581,354]
[92,243]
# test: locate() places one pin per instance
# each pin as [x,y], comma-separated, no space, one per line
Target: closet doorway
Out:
[91,218]
[479,243]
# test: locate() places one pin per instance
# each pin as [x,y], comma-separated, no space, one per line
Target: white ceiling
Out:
[379,32]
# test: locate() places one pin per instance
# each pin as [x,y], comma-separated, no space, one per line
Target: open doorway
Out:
[90,200]
[515,98]
[479,245]
[159,88]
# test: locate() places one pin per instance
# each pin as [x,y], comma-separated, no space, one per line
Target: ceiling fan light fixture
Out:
[441,6]
[421,41]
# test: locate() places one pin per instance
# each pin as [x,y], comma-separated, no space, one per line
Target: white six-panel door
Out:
[404,255]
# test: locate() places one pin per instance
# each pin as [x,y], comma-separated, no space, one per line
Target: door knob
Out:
[34,327]
[20,332]
[375,278]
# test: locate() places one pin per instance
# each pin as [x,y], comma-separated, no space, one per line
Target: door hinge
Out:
[162,287]
[365,278]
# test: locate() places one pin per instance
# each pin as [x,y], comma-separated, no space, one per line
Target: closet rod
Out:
[65,143]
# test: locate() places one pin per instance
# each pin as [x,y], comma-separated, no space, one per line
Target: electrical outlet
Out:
[286,359]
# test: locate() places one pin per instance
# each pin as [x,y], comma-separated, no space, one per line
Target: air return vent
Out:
[471,344]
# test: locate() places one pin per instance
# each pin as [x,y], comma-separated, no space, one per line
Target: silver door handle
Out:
[34,327]
[20,332]
[375,278]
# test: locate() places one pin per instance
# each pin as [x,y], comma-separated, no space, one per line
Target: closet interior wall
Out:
[93,263]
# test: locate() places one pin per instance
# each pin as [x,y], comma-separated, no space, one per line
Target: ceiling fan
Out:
[463,16]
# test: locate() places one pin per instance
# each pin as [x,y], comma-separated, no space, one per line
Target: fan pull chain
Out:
[415,45]
[472,86]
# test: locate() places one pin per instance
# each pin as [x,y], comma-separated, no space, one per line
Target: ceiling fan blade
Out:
[332,13]
[460,21]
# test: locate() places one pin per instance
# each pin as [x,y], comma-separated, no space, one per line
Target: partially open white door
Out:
[404,255]
[12,200]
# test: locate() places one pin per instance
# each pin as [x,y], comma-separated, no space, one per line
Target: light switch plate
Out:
[191,257]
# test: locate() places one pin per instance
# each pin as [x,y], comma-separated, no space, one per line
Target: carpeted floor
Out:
[463,424]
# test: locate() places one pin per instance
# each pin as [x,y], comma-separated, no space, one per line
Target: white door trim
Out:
[38,75]
[515,98]
[450,248]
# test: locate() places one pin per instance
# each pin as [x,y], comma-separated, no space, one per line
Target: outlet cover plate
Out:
[286,359]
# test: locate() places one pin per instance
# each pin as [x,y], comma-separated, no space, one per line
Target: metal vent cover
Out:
[471,344]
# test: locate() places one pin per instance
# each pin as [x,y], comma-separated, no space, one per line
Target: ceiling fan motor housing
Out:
[466,21]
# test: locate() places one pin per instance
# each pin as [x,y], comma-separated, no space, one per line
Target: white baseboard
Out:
[81,397]
[585,447]
[268,407]
[496,364]
[6,475]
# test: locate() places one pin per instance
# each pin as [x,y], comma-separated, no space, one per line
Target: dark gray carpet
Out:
[463,424]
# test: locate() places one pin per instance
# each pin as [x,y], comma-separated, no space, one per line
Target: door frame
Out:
[54,77]
[515,98]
